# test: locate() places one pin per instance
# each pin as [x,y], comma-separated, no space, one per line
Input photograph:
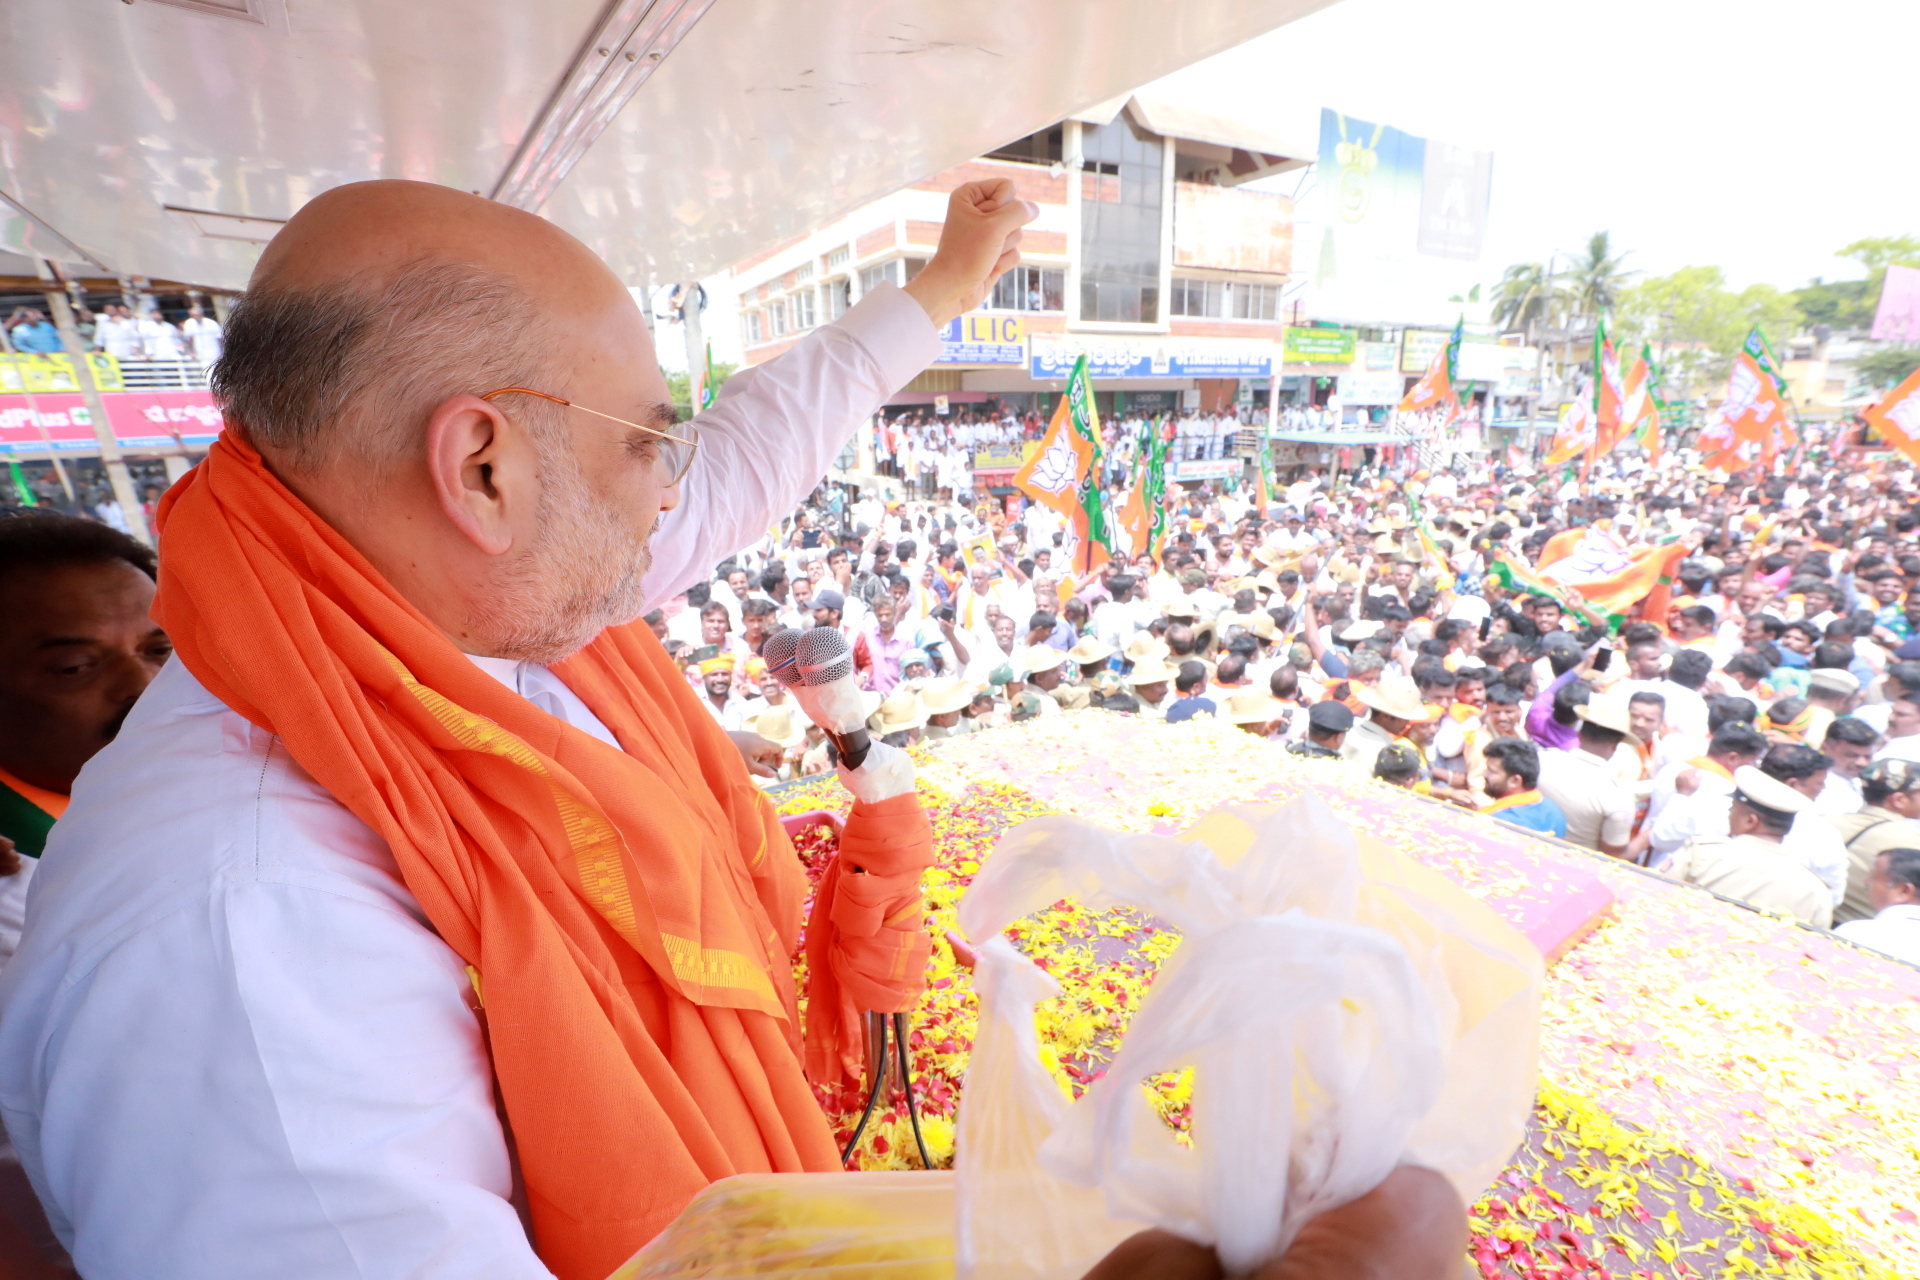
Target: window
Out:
[914,266]
[803,309]
[755,329]
[1030,289]
[1256,301]
[1043,147]
[803,272]
[1224,300]
[873,277]
[777,313]
[838,258]
[838,297]
[1121,207]
[1198,298]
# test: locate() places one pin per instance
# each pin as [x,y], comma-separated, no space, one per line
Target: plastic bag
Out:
[1343,1009]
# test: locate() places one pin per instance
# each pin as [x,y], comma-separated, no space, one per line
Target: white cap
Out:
[1769,792]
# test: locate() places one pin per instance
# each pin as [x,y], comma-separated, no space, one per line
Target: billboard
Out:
[1400,223]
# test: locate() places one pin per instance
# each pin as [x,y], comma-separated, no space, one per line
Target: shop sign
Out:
[981,337]
[1150,356]
[1195,469]
[1320,346]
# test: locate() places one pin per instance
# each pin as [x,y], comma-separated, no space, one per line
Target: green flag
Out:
[21,489]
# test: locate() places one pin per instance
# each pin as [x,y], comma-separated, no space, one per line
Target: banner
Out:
[141,420]
[54,372]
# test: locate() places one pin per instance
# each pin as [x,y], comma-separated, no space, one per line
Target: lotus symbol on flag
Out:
[1057,468]
[1906,416]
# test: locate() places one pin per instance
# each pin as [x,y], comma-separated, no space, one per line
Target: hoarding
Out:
[1398,223]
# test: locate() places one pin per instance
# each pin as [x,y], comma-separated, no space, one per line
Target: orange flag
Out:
[1649,577]
[1897,418]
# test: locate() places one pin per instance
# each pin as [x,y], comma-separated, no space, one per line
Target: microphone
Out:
[818,666]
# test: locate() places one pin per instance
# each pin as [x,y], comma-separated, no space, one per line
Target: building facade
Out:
[1147,256]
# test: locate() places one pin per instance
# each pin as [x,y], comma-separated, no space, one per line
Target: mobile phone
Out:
[1486,627]
[1602,658]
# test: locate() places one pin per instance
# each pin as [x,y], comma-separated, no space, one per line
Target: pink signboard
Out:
[1898,319]
[142,421]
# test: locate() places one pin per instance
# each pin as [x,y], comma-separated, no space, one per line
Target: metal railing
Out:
[163,375]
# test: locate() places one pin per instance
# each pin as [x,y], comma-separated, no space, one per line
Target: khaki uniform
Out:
[1756,871]
[1868,834]
[1365,741]
[1073,697]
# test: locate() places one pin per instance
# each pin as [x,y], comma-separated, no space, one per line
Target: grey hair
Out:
[334,375]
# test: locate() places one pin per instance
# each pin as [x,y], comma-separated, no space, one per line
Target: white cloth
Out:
[13,907]
[117,337]
[1895,932]
[230,1045]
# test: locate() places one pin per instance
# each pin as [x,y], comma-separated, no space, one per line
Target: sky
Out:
[1757,136]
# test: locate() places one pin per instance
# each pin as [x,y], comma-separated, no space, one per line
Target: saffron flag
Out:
[1159,501]
[1520,580]
[1608,395]
[1136,516]
[1575,434]
[1436,385]
[1064,472]
[1436,559]
[1648,577]
[1754,413]
[1897,418]
[1640,407]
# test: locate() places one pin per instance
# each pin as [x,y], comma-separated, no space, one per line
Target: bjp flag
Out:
[1064,472]
[1897,418]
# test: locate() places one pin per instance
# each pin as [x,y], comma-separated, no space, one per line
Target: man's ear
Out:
[469,463]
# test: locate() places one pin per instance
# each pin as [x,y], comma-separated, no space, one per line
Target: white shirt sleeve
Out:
[338,1128]
[777,427]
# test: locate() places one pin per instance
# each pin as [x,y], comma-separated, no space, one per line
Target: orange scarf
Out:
[1518,800]
[1712,766]
[630,913]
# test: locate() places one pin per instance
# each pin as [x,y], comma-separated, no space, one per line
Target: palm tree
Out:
[1597,278]
[1525,298]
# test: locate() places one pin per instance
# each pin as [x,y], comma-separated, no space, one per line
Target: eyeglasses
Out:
[674,455]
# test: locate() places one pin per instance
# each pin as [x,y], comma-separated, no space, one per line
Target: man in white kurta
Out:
[230,1044]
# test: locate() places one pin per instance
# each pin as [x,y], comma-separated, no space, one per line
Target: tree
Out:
[1839,304]
[1525,299]
[1696,324]
[1887,367]
[1597,278]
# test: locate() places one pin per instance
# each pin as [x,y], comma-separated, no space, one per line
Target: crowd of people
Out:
[931,451]
[116,330]
[1759,737]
